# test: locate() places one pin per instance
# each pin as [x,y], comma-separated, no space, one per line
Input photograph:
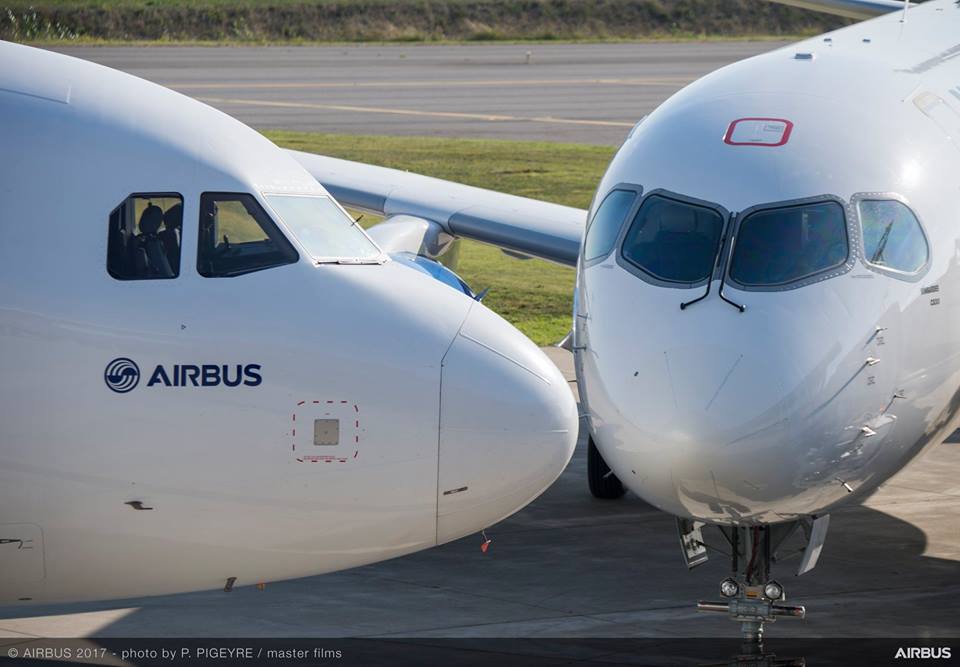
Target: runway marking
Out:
[413,112]
[309,85]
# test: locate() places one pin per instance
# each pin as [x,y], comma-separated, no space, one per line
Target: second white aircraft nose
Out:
[508,425]
[722,432]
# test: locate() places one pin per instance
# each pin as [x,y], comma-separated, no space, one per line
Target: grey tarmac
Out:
[585,93]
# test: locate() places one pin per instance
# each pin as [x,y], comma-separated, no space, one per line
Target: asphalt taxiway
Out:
[588,93]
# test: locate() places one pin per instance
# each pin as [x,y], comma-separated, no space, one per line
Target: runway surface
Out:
[589,93]
[572,566]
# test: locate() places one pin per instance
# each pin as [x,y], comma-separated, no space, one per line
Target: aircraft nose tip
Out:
[508,425]
[705,422]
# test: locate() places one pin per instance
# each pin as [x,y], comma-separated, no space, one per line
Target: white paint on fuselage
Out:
[755,417]
[229,496]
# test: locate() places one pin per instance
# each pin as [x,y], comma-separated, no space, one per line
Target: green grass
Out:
[147,4]
[414,40]
[395,21]
[534,295]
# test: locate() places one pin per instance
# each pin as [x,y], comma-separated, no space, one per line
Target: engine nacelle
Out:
[407,233]
[420,243]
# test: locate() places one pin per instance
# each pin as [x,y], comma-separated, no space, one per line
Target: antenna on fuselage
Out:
[906,6]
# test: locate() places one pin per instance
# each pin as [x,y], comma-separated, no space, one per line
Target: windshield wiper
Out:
[713,269]
[686,304]
[723,276]
[740,307]
[877,257]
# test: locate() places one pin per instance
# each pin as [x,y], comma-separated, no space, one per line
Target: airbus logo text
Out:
[122,375]
[923,653]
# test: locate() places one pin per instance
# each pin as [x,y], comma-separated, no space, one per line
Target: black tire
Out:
[603,483]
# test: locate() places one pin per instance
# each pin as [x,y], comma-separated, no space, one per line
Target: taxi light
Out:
[729,588]
[773,590]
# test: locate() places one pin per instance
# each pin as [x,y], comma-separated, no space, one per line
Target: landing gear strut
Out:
[752,596]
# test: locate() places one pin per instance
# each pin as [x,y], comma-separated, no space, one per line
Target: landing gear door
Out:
[691,542]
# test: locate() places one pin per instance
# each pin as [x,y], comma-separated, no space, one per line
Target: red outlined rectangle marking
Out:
[326,458]
[778,136]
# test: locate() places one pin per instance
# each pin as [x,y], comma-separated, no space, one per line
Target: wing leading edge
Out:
[527,226]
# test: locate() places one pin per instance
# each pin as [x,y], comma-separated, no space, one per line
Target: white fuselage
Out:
[449,419]
[776,413]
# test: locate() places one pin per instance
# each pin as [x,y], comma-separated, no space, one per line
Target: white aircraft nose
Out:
[508,425]
[710,425]
[750,428]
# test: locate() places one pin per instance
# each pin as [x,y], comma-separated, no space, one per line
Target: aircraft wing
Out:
[525,226]
[853,9]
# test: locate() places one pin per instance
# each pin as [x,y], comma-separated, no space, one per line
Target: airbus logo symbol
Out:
[122,375]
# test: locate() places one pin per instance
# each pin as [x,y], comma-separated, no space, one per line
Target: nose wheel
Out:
[750,596]
[603,483]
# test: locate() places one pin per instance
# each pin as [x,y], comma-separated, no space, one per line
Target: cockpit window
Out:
[892,237]
[606,224]
[323,228]
[144,237]
[782,245]
[237,237]
[674,241]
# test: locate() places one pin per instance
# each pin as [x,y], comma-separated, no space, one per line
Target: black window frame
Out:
[850,226]
[906,276]
[148,194]
[644,275]
[268,224]
[637,191]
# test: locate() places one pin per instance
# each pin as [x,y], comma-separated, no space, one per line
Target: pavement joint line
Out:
[948,494]
[22,640]
[446,589]
[595,616]
[906,504]
[827,595]
[438,83]
[580,522]
[583,528]
[411,112]
[501,621]
[26,636]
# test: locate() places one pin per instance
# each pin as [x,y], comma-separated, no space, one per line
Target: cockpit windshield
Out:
[782,245]
[324,230]
[674,241]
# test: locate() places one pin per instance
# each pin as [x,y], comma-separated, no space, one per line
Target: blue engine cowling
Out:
[434,269]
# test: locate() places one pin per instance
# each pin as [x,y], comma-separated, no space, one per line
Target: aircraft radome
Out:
[211,376]
[766,320]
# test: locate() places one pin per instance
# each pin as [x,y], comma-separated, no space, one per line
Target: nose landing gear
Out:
[752,597]
[752,608]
